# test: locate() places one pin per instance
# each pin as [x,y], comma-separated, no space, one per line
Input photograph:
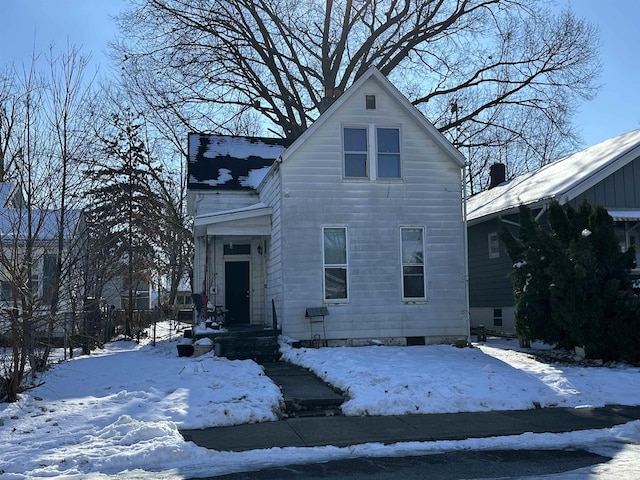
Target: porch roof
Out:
[250,220]
[625,215]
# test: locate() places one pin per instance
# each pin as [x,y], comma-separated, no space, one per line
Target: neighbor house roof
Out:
[222,162]
[562,180]
[14,224]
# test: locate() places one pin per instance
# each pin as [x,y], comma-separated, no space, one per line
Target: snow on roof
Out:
[229,162]
[563,179]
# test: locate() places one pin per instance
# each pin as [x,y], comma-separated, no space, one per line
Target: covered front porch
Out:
[231,264]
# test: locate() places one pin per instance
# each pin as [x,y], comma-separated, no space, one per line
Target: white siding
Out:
[316,195]
[271,195]
[202,202]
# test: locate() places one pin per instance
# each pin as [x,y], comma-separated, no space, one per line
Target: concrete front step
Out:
[262,349]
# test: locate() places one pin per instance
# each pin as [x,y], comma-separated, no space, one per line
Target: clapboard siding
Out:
[316,195]
[270,194]
[619,190]
[489,282]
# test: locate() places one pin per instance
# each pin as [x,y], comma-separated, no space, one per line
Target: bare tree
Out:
[68,110]
[485,72]
[42,141]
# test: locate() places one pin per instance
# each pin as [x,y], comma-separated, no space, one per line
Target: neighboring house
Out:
[361,215]
[37,281]
[607,174]
[115,293]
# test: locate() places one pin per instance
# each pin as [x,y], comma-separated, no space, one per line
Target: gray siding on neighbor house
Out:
[619,190]
[489,282]
[429,196]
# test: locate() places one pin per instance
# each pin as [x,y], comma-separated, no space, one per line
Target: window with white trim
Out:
[334,247]
[388,148]
[494,245]
[372,152]
[355,152]
[413,279]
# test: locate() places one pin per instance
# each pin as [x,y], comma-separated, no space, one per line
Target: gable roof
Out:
[390,89]
[224,162]
[562,180]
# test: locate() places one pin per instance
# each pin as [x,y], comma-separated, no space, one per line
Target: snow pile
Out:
[117,413]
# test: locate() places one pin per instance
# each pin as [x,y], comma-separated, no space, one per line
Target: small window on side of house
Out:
[370,102]
[497,317]
[494,245]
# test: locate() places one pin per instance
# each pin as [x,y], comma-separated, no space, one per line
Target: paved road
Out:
[446,466]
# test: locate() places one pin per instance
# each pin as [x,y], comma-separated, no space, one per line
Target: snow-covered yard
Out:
[116,413]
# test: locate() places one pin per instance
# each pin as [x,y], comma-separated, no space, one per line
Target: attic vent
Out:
[370,102]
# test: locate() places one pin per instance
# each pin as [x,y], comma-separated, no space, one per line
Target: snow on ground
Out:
[442,378]
[116,413]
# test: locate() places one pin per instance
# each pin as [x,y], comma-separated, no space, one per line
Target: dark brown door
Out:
[236,296]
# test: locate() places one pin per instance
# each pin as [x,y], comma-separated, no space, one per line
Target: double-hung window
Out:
[334,245]
[355,153]
[388,144]
[412,245]
[378,159]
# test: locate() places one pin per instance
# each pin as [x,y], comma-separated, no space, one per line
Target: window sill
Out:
[389,180]
[356,179]
[377,180]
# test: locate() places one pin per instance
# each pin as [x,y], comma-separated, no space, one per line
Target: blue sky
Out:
[34,24]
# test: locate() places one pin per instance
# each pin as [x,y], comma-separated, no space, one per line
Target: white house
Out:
[354,233]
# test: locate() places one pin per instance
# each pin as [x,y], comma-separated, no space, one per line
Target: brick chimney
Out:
[330,96]
[497,174]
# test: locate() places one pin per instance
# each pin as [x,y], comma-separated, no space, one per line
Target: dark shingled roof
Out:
[225,162]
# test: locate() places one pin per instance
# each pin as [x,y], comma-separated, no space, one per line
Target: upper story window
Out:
[494,245]
[388,142]
[355,152]
[383,163]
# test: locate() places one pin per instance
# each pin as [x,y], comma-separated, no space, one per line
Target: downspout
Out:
[467,313]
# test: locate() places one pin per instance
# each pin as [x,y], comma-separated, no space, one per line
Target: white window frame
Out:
[344,266]
[493,244]
[398,153]
[346,152]
[422,264]
[372,153]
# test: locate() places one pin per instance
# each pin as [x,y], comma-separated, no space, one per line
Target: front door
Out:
[236,292]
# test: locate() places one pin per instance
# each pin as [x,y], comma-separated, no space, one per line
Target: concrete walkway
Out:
[344,431]
[303,392]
